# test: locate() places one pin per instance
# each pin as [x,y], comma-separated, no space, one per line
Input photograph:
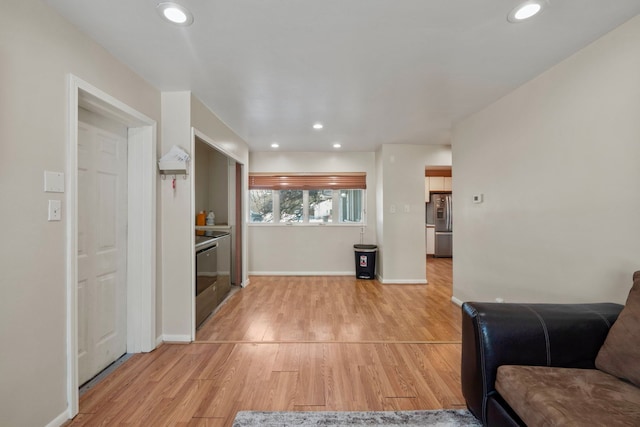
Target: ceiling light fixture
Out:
[525,11]
[175,13]
[337,145]
[275,145]
[318,126]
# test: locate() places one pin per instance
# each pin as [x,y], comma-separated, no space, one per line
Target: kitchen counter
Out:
[221,227]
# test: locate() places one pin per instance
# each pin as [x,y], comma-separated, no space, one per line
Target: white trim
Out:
[159,340]
[215,145]
[304,224]
[192,215]
[141,251]
[176,338]
[141,318]
[72,251]
[403,282]
[302,273]
[59,420]
[456,301]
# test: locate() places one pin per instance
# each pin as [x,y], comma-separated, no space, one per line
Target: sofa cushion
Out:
[544,396]
[620,353]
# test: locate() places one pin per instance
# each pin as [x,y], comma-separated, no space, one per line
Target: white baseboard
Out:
[158,340]
[456,301]
[60,419]
[302,273]
[245,283]
[404,282]
[176,338]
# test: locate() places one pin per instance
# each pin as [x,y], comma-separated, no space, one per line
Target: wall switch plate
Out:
[407,208]
[53,182]
[55,210]
[477,198]
[392,208]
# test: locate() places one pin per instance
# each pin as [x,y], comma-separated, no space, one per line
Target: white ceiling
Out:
[373,71]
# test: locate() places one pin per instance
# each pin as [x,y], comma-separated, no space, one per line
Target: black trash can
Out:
[365,261]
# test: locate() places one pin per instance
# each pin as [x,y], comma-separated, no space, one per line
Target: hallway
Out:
[297,343]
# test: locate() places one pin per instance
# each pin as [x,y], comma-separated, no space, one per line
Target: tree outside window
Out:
[261,205]
[291,206]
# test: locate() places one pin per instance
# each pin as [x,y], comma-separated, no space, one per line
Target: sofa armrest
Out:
[560,335]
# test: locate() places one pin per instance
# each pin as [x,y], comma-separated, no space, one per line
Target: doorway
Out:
[225,196]
[438,214]
[140,213]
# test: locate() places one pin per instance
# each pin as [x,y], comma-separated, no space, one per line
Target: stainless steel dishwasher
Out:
[213,268]
[206,277]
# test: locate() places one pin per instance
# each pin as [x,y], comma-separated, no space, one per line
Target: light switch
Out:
[392,208]
[55,208]
[53,182]
[407,208]
[477,198]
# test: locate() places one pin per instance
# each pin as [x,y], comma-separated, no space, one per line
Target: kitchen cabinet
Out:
[436,183]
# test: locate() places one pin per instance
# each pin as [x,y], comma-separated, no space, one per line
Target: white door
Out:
[102,243]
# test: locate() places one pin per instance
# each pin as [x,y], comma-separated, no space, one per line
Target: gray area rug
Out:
[441,418]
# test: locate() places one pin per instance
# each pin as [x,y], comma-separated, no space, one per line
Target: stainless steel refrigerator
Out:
[443,219]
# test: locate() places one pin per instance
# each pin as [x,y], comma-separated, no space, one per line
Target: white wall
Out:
[402,251]
[225,139]
[211,181]
[219,186]
[201,163]
[177,223]
[39,50]
[310,249]
[557,162]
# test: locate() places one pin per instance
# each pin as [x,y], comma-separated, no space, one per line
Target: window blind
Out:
[278,181]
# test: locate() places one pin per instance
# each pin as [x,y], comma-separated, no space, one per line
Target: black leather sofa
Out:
[556,335]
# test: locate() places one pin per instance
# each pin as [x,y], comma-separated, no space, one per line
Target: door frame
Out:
[141,220]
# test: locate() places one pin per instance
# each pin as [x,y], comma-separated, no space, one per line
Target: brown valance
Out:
[320,181]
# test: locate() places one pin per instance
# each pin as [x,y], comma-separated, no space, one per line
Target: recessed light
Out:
[275,145]
[175,13]
[337,145]
[318,126]
[525,11]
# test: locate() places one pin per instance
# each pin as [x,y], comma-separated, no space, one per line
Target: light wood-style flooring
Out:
[296,344]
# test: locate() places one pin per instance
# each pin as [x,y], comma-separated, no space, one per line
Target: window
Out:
[291,205]
[320,206]
[307,199]
[351,207]
[261,205]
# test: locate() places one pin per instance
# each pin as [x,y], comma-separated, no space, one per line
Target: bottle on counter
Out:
[211,218]
[200,220]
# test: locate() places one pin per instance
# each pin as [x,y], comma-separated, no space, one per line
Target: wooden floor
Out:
[295,344]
